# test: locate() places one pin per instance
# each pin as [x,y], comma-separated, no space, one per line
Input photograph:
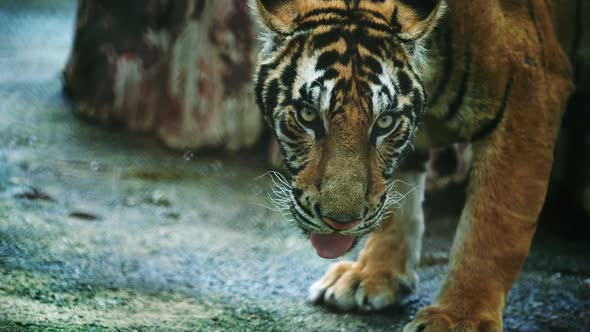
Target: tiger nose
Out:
[340,225]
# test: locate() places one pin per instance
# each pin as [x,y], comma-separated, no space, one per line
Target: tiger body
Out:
[473,64]
[357,91]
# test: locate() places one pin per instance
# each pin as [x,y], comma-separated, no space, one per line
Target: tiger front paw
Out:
[350,286]
[436,319]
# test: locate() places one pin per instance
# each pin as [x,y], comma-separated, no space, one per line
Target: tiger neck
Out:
[437,46]
[437,71]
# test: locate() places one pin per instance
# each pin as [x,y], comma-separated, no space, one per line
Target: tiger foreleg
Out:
[386,269]
[508,183]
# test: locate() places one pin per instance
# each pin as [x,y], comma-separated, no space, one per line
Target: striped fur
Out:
[498,76]
[351,62]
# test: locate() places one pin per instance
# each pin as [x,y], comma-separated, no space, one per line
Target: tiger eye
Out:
[308,115]
[385,122]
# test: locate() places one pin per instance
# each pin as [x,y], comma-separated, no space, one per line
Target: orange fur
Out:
[500,79]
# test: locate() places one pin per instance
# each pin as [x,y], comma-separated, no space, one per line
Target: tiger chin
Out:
[357,91]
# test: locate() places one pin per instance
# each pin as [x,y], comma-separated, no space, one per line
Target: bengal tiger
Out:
[357,91]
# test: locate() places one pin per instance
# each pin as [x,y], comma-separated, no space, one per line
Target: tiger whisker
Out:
[268,207]
[272,174]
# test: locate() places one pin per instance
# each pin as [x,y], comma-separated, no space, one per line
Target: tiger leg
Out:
[508,183]
[385,271]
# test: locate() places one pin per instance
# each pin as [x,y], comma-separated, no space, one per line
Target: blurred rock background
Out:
[181,70]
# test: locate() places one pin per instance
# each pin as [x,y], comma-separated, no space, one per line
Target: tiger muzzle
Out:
[343,192]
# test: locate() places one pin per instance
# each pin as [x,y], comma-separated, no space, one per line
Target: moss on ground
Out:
[31,301]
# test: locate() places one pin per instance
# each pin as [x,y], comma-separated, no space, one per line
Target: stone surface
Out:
[104,230]
[180,70]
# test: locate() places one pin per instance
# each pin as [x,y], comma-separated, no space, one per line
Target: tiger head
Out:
[339,82]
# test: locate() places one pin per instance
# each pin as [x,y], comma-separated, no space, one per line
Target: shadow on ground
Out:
[104,230]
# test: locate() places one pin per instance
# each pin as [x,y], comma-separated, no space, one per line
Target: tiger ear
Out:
[415,19]
[276,15]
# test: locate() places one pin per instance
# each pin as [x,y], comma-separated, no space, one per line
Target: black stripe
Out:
[419,102]
[392,102]
[404,83]
[405,136]
[394,21]
[374,44]
[340,88]
[456,104]
[447,68]
[301,218]
[263,73]
[324,39]
[290,71]
[330,74]
[379,210]
[539,34]
[286,130]
[293,170]
[297,193]
[344,13]
[313,24]
[271,96]
[327,59]
[491,126]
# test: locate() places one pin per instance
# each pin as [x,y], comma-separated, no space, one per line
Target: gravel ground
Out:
[102,230]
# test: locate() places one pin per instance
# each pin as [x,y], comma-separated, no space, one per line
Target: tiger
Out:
[356,92]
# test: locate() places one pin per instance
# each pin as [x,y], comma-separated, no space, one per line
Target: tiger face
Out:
[339,83]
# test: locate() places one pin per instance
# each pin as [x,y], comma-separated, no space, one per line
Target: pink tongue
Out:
[331,245]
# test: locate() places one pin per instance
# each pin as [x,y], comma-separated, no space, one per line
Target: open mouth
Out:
[332,245]
[332,240]
[335,244]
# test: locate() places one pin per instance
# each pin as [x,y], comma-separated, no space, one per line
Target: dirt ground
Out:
[103,230]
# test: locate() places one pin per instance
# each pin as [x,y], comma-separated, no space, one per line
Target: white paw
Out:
[347,286]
